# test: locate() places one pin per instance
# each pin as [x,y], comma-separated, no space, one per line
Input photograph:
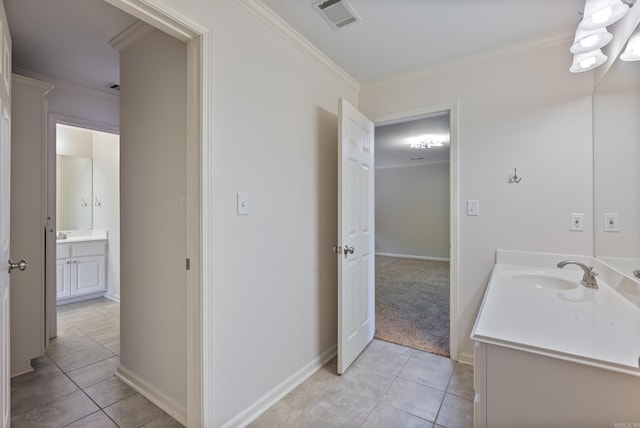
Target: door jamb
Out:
[409,115]
[200,393]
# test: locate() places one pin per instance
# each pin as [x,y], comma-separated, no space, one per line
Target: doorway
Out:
[413,194]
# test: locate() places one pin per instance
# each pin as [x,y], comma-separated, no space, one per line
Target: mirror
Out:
[74,178]
[616,142]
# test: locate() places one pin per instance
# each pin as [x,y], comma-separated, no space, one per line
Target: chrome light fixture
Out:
[632,50]
[602,13]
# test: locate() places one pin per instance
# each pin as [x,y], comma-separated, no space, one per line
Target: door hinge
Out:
[188,264]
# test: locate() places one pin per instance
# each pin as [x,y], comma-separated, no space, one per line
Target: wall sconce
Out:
[591,34]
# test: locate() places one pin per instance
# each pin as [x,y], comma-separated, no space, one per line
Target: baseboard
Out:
[68,300]
[465,358]
[176,411]
[248,415]
[111,296]
[406,256]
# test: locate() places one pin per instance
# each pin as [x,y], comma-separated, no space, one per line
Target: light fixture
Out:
[632,50]
[587,61]
[588,40]
[428,141]
[601,13]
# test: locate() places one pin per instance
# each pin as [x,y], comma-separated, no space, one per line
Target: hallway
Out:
[74,385]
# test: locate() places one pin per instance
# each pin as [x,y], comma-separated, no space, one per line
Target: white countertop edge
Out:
[75,239]
[559,355]
[537,259]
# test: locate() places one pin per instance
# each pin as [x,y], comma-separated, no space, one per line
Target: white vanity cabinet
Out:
[80,270]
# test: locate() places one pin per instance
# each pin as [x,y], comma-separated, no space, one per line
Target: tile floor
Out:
[388,386]
[73,385]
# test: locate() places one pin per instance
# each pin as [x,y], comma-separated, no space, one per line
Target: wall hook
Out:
[97,202]
[83,203]
[515,178]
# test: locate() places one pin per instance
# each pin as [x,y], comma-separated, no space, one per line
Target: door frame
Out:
[199,41]
[420,113]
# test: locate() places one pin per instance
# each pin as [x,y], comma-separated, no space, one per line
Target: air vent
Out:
[338,13]
[114,86]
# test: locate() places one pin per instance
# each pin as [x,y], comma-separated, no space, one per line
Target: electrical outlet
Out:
[611,222]
[577,222]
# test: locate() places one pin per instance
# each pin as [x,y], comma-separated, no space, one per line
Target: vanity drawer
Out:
[88,249]
[63,251]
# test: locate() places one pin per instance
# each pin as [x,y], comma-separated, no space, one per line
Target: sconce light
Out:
[602,13]
[632,50]
[587,61]
[588,40]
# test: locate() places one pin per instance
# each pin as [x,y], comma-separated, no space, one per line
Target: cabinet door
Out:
[87,275]
[63,278]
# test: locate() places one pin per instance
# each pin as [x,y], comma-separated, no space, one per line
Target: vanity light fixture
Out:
[632,50]
[587,61]
[602,13]
[588,40]
[426,144]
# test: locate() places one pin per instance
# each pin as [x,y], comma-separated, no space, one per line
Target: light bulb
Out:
[602,15]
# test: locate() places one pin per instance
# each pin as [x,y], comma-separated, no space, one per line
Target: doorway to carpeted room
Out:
[412,230]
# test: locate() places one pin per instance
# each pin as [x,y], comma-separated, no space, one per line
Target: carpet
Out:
[412,303]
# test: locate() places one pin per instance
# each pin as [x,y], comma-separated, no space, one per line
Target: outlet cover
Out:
[577,222]
[611,222]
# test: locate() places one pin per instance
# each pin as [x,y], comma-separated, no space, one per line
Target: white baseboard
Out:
[68,300]
[111,296]
[465,358]
[248,415]
[176,411]
[406,256]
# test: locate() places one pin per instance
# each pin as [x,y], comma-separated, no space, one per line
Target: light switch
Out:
[473,207]
[243,203]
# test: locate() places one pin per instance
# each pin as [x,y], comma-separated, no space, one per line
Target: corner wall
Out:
[526,112]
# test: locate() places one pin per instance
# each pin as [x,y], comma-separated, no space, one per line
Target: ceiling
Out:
[68,40]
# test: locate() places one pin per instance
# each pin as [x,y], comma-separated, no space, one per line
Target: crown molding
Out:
[296,39]
[42,86]
[492,55]
[92,92]
[131,35]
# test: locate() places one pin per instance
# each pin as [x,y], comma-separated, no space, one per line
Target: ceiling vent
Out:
[338,13]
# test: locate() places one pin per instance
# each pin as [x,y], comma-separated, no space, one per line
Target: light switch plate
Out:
[243,203]
[473,207]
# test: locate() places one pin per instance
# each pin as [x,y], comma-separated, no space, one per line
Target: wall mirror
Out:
[616,142]
[74,192]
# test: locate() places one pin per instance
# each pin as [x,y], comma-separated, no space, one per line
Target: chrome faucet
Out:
[589,277]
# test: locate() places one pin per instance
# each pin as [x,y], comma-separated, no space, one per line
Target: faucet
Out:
[589,277]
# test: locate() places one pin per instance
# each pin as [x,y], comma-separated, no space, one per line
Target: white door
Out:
[5,215]
[356,293]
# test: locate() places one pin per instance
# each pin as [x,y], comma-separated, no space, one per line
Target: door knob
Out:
[21,265]
[348,250]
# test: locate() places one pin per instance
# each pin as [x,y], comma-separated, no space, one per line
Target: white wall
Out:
[526,112]
[153,223]
[106,216]
[412,210]
[616,128]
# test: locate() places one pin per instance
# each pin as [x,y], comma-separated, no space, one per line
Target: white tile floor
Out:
[388,386]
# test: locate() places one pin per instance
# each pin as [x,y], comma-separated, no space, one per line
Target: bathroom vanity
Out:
[81,267]
[550,352]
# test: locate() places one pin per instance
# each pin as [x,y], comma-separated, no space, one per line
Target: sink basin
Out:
[541,281]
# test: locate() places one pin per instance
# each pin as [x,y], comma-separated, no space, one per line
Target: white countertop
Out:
[599,327]
[84,235]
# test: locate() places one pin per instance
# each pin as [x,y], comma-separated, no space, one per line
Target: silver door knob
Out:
[21,265]
[348,250]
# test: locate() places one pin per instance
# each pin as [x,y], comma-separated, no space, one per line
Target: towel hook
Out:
[515,178]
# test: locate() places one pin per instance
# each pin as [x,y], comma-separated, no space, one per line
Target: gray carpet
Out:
[412,303]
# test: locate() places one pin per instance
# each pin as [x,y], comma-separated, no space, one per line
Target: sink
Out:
[541,281]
